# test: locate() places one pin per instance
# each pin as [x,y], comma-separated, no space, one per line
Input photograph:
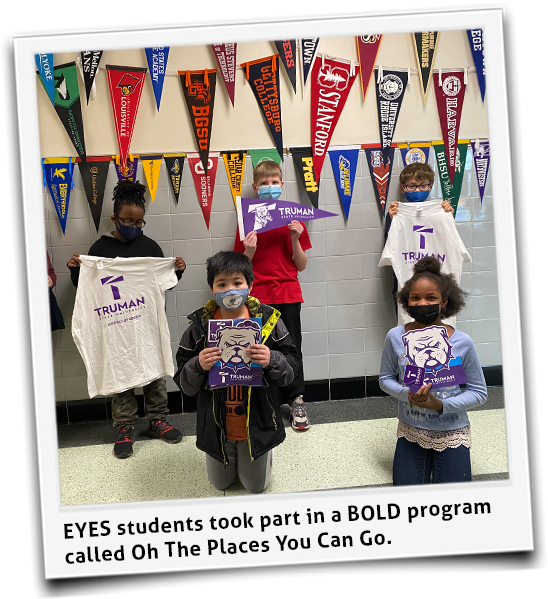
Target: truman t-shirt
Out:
[119,322]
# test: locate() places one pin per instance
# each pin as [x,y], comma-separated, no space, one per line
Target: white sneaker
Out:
[297,415]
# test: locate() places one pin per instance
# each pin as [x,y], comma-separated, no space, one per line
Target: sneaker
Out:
[297,415]
[123,448]
[161,429]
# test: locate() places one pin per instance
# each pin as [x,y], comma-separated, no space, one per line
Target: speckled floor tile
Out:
[488,452]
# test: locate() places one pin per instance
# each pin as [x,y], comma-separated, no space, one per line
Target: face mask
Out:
[425,314]
[269,192]
[129,233]
[232,299]
[416,196]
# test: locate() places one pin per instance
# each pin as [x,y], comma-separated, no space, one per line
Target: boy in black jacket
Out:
[237,426]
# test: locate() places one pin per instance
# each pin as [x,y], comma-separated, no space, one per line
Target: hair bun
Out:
[427,264]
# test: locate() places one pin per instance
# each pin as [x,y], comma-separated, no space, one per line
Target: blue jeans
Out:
[413,465]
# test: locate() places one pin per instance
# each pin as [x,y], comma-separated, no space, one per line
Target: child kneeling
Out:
[237,427]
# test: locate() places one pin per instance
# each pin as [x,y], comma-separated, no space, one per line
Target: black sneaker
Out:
[123,448]
[297,415]
[161,429]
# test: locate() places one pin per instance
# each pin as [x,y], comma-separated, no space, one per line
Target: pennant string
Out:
[323,60]
[408,77]
[439,78]
[466,76]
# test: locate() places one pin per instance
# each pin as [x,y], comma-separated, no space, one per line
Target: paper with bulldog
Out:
[233,337]
[431,359]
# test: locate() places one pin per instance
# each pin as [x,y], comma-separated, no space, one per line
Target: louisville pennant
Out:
[264,154]
[332,79]
[449,97]
[304,163]
[426,43]
[390,85]
[344,162]
[130,170]
[58,177]
[475,36]
[44,63]
[151,169]
[125,85]
[157,64]
[264,77]
[94,179]
[174,167]
[204,182]
[226,59]
[90,66]
[288,57]
[256,215]
[235,164]
[415,152]
[380,171]
[309,49]
[67,104]
[480,151]
[199,92]
[368,48]
[451,190]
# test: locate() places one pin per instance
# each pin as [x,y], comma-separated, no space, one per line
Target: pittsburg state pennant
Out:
[380,171]
[368,48]
[58,178]
[475,36]
[425,43]
[391,85]
[90,66]
[344,162]
[204,182]
[451,190]
[174,167]
[157,63]
[226,59]
[125,85]
[288,57]
[480,149]
[94,178]
[235,164]
[302,157]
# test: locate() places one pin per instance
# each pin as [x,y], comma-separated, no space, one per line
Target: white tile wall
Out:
[348,305]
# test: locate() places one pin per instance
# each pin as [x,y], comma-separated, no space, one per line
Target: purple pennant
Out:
[480,150]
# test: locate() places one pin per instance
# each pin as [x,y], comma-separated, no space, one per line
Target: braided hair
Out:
[128,193]
[429,267]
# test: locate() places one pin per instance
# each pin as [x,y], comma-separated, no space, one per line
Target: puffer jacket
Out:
[261,404]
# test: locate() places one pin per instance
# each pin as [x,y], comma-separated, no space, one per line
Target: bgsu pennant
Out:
[332,80]
[94,178]
[58,176]
[90,66]
[481,162]
[125,85]
[380,171]
[226,59]
[130,170]
[174,166]
[304,163]
[368,48]
[425,43]
[449,97]
[151,169]
[234,164]
[451,189]
[288,55]
[344,163]
[390,91]
[204,182]
[199,91]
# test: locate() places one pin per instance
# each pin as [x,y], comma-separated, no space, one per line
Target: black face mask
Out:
[425,314]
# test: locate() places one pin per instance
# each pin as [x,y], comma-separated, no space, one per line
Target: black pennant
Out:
[90,66]
[288,57]
[94,177]
[304,163]
[174,165]
[390,92]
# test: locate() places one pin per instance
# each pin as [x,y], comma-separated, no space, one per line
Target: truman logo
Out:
[120,308]
[115,290]
[262,214]
[414,256]
[420,229]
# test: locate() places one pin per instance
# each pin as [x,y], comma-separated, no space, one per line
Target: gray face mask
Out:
[232,299]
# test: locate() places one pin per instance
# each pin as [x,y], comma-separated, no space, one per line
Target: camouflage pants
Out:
[124,405]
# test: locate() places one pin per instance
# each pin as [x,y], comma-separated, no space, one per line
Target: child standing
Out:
[127,241]
[238,426]
[433,430]
[278,256]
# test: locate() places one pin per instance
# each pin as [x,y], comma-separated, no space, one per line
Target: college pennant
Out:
[380,170]
[264,77]
[309,49]
[304,163]
[475,37]
[344,162]
[260,216]
[90,66]
[264,154]
[67,104]
[480,151]
[157,63]
[125,85]
[226,59]
[415,152]
[426,43]
[449,97]
[151,168]
[94,178]
[44,63]
[368,48]
[199,92]
[331,81]
[174,166]
[390,86]
[451,189]
[204,181]
[235,164]
[130,170]
[58,178]
[288,51]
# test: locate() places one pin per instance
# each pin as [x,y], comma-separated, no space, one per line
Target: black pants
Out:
[291,316]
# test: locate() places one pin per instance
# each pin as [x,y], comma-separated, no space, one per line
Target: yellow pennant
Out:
[235,163]
[151,168]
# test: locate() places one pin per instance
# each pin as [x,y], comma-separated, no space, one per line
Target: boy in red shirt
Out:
[278,256]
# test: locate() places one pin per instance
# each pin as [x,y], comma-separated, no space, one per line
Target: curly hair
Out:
[429,267]
[128,193]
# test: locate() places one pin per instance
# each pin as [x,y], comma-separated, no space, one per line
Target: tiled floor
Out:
[350,444]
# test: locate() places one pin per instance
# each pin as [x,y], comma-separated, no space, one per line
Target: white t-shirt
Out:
[418,230]
[119,322]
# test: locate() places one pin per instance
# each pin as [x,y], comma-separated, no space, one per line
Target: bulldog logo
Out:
[333,77]
[233,343]
[128,84]
[262,214]
[428,348]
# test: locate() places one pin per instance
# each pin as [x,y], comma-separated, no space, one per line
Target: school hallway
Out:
[350,444]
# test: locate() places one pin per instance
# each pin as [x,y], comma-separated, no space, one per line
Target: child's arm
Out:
[193,362]
[299,255]
[74,267]
[388,380]
[250,244]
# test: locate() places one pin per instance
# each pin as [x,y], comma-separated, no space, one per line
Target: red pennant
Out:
[126,85]
[204,183]
[368,48]
[449,97]
[226,59]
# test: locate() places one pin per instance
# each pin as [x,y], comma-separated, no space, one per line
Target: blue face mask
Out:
[269,192]
[232,299]
[416,196]
[128,233]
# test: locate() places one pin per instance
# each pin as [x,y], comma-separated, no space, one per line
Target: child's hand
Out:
[393,209]
[447,206]
[250,244]
[259,354]
[50,282]
[209,356]
[75,260]
[295,229]
[180,264]
[423,399]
